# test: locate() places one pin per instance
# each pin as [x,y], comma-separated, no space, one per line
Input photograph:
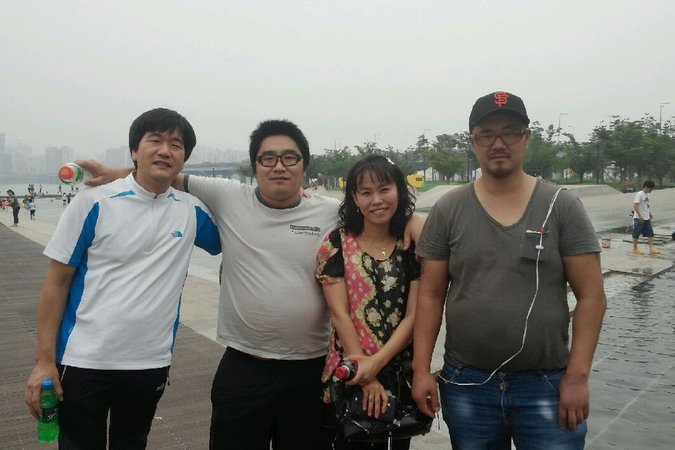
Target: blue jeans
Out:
[522,406]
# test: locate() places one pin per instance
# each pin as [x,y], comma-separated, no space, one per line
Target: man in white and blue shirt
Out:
[109,308]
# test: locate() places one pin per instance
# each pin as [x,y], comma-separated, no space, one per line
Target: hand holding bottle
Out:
[100,174]
[369,367]
[42,371]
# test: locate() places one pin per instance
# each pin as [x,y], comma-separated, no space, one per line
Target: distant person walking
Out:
[31,208]
[15,205]
[642,219]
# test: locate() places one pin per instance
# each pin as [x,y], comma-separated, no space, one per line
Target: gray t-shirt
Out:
[492,277]
[270,303]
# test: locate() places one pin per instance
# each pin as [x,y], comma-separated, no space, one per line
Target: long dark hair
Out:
[384,171]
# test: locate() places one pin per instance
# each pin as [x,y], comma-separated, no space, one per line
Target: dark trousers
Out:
[15,213]
[255,401]
[131,396]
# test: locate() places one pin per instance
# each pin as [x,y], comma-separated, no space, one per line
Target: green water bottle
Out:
[48,422]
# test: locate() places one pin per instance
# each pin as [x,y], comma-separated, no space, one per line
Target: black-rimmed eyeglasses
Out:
[287,159]
[509,137]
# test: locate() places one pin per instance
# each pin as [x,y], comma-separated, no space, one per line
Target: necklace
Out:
[372,245]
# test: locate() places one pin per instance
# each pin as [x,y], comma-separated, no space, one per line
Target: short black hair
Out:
[649,183]
[383,171]
[278,127]
[159,120]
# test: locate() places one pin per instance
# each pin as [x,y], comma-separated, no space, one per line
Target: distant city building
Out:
[38,164]
[215,155]
[20,162]
[118,157]
[3,156]
[55,157]
[18,159]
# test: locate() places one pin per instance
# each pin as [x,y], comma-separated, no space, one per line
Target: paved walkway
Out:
[182,419]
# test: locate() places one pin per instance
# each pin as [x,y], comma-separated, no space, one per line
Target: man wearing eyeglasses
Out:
[498,254]
[271,317]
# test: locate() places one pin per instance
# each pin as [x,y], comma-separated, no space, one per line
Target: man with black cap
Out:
[498,254]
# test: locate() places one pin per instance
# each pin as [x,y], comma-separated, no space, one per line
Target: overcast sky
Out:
[78,72]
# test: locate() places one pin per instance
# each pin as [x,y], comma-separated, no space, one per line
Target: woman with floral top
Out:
[370,283]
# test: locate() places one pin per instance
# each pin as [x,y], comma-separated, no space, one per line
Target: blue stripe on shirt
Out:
[207,236]
[79,259]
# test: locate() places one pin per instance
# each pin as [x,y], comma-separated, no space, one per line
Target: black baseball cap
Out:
[499,101]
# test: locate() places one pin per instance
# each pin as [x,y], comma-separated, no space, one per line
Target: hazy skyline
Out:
[76,73]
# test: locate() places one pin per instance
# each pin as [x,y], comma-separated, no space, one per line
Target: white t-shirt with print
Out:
[642,199]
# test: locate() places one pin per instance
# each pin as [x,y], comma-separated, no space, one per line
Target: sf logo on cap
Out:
[501,98]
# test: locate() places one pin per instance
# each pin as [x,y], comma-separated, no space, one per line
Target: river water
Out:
[633,380]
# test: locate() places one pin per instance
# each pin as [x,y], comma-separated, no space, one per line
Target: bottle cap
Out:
[71,173]
[341,372]
[47,384]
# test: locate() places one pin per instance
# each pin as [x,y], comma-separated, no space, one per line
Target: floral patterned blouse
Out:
[377,291]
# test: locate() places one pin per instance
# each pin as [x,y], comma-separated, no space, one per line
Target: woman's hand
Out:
[375,398]
[367,369]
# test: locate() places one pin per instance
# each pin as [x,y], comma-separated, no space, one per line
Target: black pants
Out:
[131,396]
[258,400]
[15,213]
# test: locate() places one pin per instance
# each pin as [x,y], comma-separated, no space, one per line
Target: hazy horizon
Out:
[76,73]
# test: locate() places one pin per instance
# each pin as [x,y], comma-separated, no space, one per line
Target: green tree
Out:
[540,157]
[368,148]
[404,160]
[327,168]
[421,152]
[448,154]
[662,156]
[627,148]
[581,158]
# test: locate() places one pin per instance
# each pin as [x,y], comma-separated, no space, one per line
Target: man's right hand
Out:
[425,393]
[41,372]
